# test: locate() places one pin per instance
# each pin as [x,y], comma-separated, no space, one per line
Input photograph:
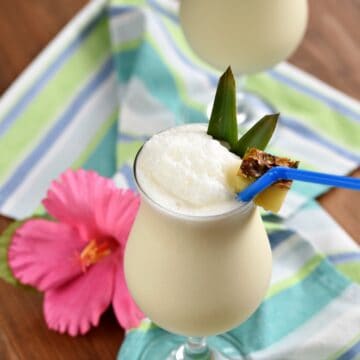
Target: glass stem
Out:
[196,348]
[242,109]
[240,86]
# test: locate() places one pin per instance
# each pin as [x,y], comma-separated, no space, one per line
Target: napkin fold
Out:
[121,71]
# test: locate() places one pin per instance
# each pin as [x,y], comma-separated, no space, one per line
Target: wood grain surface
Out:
[330,51]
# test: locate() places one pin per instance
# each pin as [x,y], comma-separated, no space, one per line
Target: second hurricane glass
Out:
[249,35]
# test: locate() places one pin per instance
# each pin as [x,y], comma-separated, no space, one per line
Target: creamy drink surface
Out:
[185,170]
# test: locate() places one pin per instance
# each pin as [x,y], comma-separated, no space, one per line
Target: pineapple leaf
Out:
[223,123]
[258,136]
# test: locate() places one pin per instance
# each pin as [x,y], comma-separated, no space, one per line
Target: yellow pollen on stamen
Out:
[93,252]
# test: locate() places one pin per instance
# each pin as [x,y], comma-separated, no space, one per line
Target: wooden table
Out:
[330,51]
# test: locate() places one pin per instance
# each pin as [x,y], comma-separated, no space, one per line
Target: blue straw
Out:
[284,173]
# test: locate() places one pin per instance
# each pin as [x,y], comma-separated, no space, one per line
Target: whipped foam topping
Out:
[185,170]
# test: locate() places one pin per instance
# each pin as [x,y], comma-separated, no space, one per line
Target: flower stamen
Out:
[94,252]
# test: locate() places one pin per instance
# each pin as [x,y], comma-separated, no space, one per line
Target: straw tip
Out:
[241,198]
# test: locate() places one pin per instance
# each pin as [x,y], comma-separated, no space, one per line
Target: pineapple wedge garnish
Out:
[254,164]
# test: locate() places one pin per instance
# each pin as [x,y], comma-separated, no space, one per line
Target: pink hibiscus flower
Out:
[78,259]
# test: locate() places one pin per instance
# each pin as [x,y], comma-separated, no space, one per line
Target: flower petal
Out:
[72,199]
[116,212]
[93,204]
[74,307]
[126,311]
[44,254]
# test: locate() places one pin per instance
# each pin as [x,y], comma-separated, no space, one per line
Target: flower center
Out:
[93,252]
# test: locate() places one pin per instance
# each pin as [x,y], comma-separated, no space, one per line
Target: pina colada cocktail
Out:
[197,262]
[249,35]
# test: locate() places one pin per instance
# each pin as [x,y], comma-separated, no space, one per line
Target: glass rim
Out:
[242,209]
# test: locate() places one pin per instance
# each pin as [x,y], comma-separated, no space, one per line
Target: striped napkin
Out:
[121,71]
